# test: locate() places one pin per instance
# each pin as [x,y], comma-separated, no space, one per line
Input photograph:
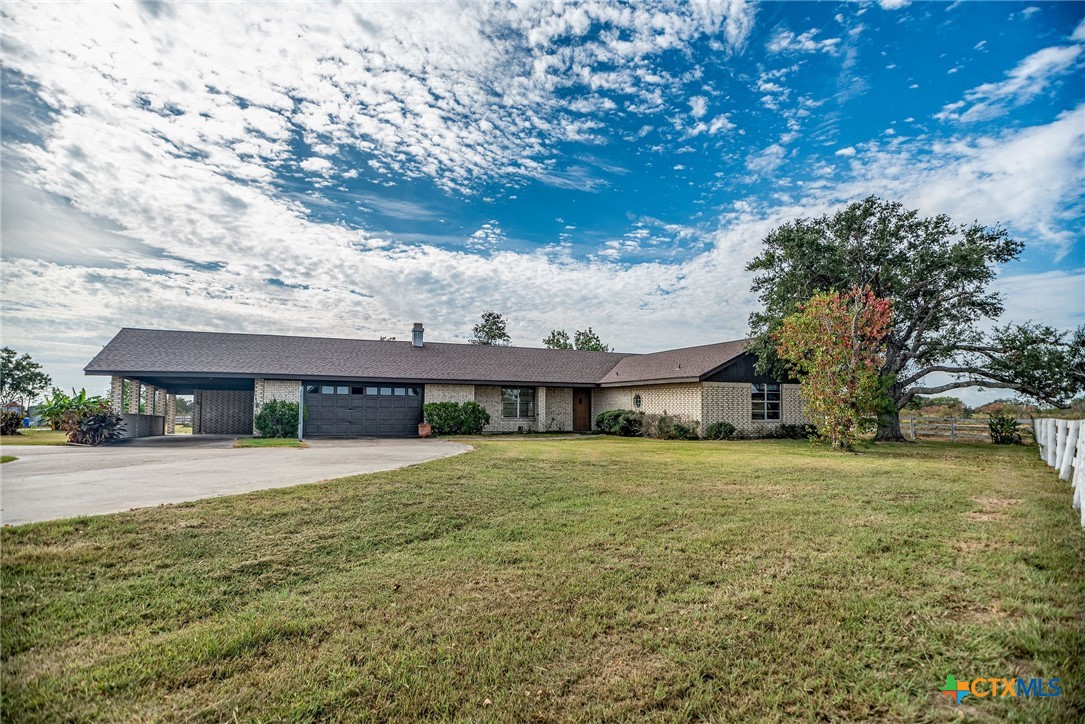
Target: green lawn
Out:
[267,442]
[587,579]
[35,436]
[7,458]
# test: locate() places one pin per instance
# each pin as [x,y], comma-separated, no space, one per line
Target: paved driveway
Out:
[61,482]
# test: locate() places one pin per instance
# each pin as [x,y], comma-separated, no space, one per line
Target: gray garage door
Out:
[362,409]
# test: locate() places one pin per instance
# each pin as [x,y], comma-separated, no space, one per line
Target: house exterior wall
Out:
[490,399]
[730,402]
[449,393]
[553,406]
[681,400]
[267,390]
[558,415]
[222,412]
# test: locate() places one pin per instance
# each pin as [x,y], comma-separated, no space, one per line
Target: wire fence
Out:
[956,429]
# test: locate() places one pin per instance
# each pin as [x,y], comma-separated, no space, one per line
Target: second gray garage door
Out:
[362,409]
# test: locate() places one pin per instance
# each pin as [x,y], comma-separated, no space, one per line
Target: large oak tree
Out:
[937,275]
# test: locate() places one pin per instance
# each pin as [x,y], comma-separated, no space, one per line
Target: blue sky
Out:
[349,169]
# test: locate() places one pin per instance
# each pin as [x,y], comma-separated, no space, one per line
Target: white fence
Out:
[1062,446]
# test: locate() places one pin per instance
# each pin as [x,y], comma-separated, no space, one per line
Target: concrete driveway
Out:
[46,483]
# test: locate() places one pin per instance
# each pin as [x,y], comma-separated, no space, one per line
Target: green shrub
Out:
[93,426]
[1004,430]
[720,431]
[686,430]
[54,408]
[670,427]
[796,432]
[10,422]
[453,418]
[474,420]
[625,423]
[278,418]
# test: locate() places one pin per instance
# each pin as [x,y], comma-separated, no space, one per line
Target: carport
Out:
[148,403]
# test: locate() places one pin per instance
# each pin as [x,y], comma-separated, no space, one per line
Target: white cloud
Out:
[894,4]
[1079,32]
[1030,11]
[847,151]
[488,237]
[316,164]
[1022,83]
[698,106]
[787,41]
[459,94]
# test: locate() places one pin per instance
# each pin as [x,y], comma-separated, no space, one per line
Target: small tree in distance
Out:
[558,339]
[834,345]
[491,330]
[21,378]
[584,340]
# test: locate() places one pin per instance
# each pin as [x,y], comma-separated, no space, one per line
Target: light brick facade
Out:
[731,402]
[553,406]
[681,400]
[450,393]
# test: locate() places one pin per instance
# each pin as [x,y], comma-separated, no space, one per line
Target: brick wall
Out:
[268,390]
[136,425]
[681,400]
[553,406]
[490,399]
[558,414]
[731,402]
[222,412]
[450,393]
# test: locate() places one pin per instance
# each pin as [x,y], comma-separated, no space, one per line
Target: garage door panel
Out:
[360,409]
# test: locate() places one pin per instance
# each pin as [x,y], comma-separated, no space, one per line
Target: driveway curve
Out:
[47,483]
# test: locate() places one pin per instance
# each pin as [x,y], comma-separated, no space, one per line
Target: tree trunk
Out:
[889,428]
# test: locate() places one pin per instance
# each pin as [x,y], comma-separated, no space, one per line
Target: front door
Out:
[582,410]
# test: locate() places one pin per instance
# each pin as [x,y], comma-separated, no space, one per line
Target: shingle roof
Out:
[674,365]
[163,352]
[151,352]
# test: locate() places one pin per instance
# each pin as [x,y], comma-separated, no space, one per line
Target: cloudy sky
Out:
[348,169]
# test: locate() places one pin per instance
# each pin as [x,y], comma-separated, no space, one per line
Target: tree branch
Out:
[993,384]
[940,368]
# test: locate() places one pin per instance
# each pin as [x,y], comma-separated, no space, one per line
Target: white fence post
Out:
[1062,446]
[1070,449]
[1060,443]
[1052,442]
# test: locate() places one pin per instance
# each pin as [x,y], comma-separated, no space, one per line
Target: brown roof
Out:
[687,364]
[164,353]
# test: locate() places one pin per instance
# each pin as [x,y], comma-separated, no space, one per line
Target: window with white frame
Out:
[518,402]
[765,400]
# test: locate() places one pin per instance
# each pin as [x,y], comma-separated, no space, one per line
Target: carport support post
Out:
[171,413]
[301,410]
[133,397]
[116,394]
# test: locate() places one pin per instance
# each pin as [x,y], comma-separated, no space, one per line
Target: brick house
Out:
[354,388]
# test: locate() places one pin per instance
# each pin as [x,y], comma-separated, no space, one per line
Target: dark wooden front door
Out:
[582,410]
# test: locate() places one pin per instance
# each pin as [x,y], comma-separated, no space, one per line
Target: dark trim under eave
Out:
[633,383]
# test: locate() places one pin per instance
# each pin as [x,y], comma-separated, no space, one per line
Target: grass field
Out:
[583,579]
[7,458]
[35,436]
[267,442]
